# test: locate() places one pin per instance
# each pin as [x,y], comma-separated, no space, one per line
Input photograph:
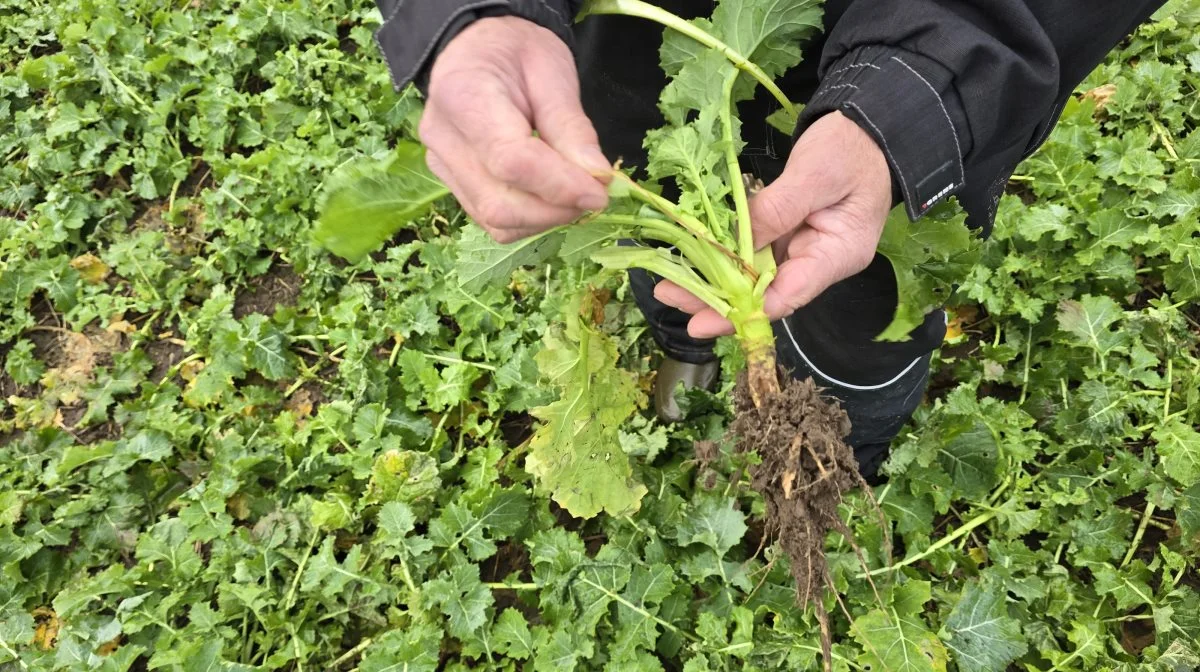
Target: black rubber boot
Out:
[671,373]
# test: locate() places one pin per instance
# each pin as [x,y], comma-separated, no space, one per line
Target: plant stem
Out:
[1025,376]
[712,261]
[661,262]
[745,234]
[757,340]
[358,648]
[645,10]
[290,600]
[1137,536]
[1167,391]
[934,547]
[693,225]
[500,585]
[455,360]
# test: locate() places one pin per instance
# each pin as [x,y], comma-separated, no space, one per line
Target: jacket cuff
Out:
[909,105]
[414,32]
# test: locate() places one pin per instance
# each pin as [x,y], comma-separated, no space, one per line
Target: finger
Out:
[779,209]
[501,136]
[559,117]
[677,297]
[816,261]
[506,213]
[442,172]
[708,323]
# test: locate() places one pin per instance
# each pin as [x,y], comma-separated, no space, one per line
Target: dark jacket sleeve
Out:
[415,31]
[957,92]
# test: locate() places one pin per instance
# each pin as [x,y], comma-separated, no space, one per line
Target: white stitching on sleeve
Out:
[557,13]
[852,66]
[825,89]
[962,176]
[386,61]
[908,196]
[395,11]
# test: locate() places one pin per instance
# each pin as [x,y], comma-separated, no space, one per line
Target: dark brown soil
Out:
[165,355]
[516,428]
[279,286]
[806,468]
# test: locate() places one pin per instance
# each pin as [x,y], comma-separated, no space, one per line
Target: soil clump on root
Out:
[806,469]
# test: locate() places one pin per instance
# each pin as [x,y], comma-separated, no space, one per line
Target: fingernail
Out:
[593,202]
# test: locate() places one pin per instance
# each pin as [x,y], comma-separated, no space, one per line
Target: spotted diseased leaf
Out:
[1187,509]
[413,648]
[1103,538]
[575,454]
[647,588]
[367,202]
[477,529]
[266,348]
[980,633]
[1128,586]
[970,454]
[896,642]
[597,586]
[1090,321]
[16,625]
[913,514]
[326,574]
[559,650]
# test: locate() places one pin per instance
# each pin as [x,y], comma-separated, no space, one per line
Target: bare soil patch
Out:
[280,286]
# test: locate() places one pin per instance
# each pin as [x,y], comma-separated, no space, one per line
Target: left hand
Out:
[824,216]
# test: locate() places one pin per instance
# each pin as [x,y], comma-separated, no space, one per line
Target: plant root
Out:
[806,469]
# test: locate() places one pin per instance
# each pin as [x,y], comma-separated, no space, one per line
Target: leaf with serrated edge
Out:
[928,258]
[1178,447]
[576,453]
[482,261]
[980,632]
[897,643]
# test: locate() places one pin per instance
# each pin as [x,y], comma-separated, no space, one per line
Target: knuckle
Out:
[450,88]
[505,237]
[775,210]
[495,216]
[862,260]
[432,131]
[503,165]
[507,162]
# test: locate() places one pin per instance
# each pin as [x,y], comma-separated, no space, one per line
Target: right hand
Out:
[493,85]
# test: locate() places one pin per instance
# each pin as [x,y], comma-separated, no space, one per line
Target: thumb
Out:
[816,260]
[779,209]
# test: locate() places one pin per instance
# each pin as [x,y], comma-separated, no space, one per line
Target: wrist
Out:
[415,32]
[863,157]
[908,104]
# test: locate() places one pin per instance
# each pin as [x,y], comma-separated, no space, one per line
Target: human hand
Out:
[491,87]
[824,216]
